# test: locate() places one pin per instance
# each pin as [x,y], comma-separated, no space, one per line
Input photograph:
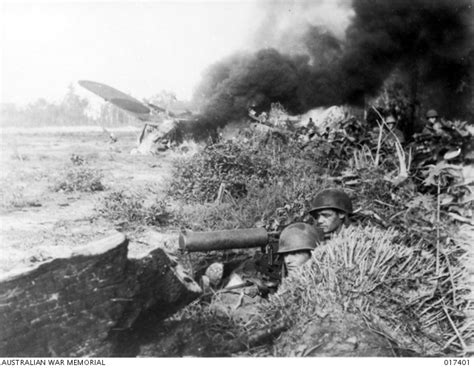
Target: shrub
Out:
[231,163]
[273,207]
[131,209]
[80,178]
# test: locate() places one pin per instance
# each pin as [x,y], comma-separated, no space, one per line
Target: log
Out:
[72,306]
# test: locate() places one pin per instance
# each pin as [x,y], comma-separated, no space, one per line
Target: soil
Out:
[37,222]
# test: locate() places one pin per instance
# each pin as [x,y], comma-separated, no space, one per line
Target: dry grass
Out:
[14,196]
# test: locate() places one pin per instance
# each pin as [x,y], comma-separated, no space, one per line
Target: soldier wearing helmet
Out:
[432,116]
[392,126]
[331,209]
[435,124]
[389,131]
[391,121]
[296,243]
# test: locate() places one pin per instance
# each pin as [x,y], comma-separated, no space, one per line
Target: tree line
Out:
[71,110]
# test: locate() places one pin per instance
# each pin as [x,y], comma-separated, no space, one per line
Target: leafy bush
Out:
[272,206]
[132,209]
[231,163]
[80,179]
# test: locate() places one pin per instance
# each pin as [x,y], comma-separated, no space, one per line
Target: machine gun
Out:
[269,264]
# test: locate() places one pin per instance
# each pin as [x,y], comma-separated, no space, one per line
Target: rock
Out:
[75,306]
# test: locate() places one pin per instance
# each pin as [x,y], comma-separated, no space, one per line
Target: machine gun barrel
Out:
[191,241]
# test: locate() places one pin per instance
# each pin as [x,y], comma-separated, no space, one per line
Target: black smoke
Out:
[428,40]
[231,86]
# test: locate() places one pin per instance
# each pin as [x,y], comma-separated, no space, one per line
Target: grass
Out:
[15,192]
[14,198]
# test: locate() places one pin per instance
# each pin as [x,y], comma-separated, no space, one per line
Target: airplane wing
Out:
[157,108]
[119,99]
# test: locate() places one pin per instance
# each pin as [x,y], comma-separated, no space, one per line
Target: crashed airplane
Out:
[161,126]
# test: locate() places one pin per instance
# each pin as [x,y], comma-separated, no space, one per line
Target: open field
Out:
[38,221]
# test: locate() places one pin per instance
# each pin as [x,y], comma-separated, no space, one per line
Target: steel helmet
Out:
[299,236]
[390,119]
[331,199]
[431,114]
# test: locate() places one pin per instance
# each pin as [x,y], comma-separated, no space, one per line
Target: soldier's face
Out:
[329,220]
[295,260]
[432,120]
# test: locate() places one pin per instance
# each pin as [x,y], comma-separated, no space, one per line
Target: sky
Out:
[139,47]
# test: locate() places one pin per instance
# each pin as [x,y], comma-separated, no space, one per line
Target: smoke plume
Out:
[428,39]
[284,24]
[312,60]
